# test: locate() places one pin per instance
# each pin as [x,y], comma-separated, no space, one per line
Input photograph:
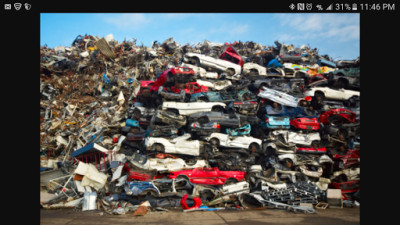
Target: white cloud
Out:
[127,20]
[341,27]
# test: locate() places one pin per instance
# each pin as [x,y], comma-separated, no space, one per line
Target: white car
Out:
[201,72]
[187,108]
[217,85]
[171,165]
[178,145]
[280,97]
[309,139]
[225,140]
[218,64]
[299,159]
[258,70]
[290,71]
[237,188]
[254,68]
[329,93]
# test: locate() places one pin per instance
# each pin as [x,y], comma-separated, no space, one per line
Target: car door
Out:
[237,141]
[297,138]
[205,176]
[186,147]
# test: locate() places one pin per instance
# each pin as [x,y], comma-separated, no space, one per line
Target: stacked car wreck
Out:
[219,125]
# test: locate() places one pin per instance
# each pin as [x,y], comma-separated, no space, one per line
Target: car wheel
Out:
[214,142]
[315,144]
[319,94]
[191,161]
[159,148]
[335,120]
[230,71]
[195,61]
[217,109]
[342,83]
[254,147]
[263,85]
[253,73]
[173,111]
[183,177]
[137,114]
[149,193]
[204,99]
[230,181]
[222,76]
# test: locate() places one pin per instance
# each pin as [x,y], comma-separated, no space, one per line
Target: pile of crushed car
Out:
[126,128]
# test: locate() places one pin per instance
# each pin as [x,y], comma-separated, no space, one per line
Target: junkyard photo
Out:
[222,118]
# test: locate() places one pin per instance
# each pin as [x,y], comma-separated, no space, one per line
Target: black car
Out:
[198,130]
[224,119]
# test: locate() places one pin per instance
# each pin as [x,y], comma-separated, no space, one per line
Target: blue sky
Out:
[334,34]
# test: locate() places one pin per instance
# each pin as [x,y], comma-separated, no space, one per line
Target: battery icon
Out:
[354,6]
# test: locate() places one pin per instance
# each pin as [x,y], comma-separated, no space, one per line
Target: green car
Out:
[347,78]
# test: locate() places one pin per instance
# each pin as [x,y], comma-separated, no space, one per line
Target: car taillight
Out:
[238,103]
[266,120]
[216,125]
[308,98]
[195,124]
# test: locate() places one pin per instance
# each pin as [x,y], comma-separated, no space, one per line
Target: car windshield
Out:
[278,111]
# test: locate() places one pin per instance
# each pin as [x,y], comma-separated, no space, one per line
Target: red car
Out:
[190,88]
[144,176]
[305,123]
[210,176]
[337,115]
[231,55]
[348,188]
[352,157]
[306,150]
[145,86]
[182,74]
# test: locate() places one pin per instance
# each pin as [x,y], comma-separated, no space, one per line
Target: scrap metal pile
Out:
[127,128]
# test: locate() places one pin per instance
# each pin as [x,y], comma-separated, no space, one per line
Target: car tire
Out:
[158,148]
[230,71]
[320,94]
[173,111]
[137,113]
[230,181]
[253,73]
[315,144]
[183,177]
[191,161]
[149,193]
[254,146]
[214,142]
[203,98]
[342,83]
[217,109]
[195,61]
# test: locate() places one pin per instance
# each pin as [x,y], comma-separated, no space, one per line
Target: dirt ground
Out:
[342,216]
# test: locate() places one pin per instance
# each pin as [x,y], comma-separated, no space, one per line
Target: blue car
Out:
[245,130]
[275,119]
[136,188]
[212,96]
[297,112]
